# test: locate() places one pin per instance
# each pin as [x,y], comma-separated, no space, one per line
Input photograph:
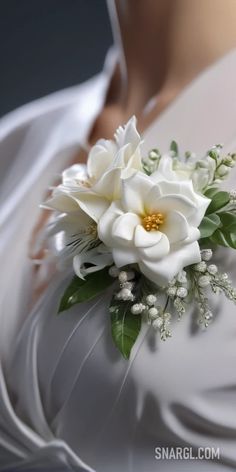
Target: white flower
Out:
[204,173]
[201,172]
[154,225]
[212,269]
[93,189]
[206,254]
[73,238]
[70,234]
[151,299]
[153,313]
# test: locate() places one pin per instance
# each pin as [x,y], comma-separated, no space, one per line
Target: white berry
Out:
[200,267]
[157,323]
[182,292]
[212,269]
[171,291]
[151,299]
[153,313]
[204,281]
[206,254]
[137,308]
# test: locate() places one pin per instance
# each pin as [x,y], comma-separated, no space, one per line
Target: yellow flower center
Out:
[153,222]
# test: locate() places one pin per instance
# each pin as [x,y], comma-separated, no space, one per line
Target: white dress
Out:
[68,400]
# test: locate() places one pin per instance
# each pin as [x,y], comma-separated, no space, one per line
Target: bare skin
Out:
[163,45]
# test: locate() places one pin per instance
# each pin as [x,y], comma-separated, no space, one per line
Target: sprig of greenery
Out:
[218,226]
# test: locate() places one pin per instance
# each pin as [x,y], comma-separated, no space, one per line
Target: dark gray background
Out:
[47,45]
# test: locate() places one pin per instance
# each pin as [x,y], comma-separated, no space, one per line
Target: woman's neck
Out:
[166,43]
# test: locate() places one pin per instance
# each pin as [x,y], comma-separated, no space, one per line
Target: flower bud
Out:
[200,267]
[212,269]
[151,299]
[204,281]
[137,308]
[206,254]
[157,323]
[222,171]
[153,313]
[182,292]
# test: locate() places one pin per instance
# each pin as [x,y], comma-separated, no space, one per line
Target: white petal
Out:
[162,271]
[61,202]
[135,160]
[186,189]
[92,204]
[72,223]
[128,157]
[128,134]
[74,174]
[145,238]
[194,235]
[106,222]
[124,256]
[167,203]
[175,227]
[124,227]
[165,169]
[202,205]
[152,198]
[134,192]
[120,158]
[171,188]
[157,251]
[100,158]
[109,184]
[99,261]
[183,187]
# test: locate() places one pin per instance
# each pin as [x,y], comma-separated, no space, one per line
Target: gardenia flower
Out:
[93,188]
[201,172]
[154,224]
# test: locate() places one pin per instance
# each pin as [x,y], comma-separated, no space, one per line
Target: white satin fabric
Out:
[68,401]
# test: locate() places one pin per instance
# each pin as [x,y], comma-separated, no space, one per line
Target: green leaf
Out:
[224,238]
[125,326]
[80,290]
[174,148]
[210,192]
[219,200]
[228,221]
[209,225]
